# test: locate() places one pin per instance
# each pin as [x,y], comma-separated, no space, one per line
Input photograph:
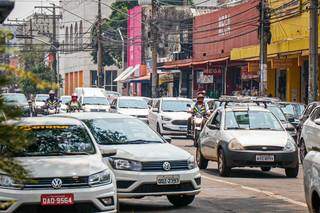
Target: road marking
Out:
[267,193]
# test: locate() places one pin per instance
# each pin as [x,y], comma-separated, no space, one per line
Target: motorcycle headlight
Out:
[100,178]
[8,182]
[290,146]
[192,163]
[165,118]
[129,165]
[234,144]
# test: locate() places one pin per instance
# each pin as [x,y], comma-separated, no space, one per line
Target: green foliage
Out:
[112,41]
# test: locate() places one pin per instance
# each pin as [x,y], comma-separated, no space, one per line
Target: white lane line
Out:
[267,193]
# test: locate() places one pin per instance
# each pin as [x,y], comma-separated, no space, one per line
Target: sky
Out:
[24,8]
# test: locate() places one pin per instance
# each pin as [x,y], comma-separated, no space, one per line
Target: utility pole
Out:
[154,49]
[313,56]
[100,70]
[30,27]
[263,60]
[54,47]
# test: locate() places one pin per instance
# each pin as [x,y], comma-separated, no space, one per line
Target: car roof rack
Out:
[247,99]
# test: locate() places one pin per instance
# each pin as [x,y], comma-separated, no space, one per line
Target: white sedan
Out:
[145,164]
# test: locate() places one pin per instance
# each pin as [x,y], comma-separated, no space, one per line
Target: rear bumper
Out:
[248,159]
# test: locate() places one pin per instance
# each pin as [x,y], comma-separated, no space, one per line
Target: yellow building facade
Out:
[288,52]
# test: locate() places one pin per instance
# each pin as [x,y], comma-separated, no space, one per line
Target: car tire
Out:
[292,172]
[302,151]
[181,200]
[224,170]
[201,161]
[266,169]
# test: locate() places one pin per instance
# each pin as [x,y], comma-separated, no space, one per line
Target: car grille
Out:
[124,184]
[263,148]
[180,122]
[158,165]
[35,208]
[154,188]
[67,182]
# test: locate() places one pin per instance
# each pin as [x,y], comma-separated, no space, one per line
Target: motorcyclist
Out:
[73,105]
[52,101]
[200,107]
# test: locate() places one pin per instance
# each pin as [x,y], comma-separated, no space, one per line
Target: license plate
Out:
[265,158]
[168,180]
[57,200]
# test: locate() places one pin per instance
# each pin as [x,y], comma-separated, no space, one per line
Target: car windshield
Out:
[57,140]
[175,105]
[42,98]
[15,98]
[95,101]
[118,131]
[133,103]
[288,109]
[278,113]
[65,99]
[299,108]
[252,120]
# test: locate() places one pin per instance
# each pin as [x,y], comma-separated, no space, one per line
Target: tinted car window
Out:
[175,106]
[216,120]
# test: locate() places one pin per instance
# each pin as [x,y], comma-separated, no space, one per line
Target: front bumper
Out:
[32,198]
[139,184]
[170,129]
[248,159]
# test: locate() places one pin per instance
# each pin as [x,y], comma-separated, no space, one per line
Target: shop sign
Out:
[283,63]
[253,67]
[216,71]
[204,79]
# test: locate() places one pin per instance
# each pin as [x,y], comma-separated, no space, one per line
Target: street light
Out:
[6,6]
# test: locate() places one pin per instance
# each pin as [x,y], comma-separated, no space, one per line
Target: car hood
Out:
[150,152]
[259,138]
[96,107]
[176,115]
[39,103]
[62,166]
[133,111]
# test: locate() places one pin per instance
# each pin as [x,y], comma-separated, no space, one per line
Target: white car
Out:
[310,133]
[134,106]
[246,136]
[169,116]
[39,103]
[66,169]
[63,103]
[145,164]
[311,167]
[94,103]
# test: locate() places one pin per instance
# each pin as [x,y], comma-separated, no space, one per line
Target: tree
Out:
[111,38]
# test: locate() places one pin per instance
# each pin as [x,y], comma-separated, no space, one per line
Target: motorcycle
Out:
[197,128]
[51,109]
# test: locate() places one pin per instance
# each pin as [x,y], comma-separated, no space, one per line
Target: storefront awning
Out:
[123,74]
[127,75]
[140,79]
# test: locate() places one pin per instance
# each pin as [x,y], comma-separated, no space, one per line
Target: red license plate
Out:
[57,200]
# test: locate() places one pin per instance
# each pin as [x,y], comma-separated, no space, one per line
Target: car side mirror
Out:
[155,110]
[113,107]
[167,138]
[291,119]
[213,127]
[317,121]
[108,152]
[188,105]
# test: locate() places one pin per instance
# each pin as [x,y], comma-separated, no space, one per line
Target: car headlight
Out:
[192,163]
[290,146]
[122,164]
[165,118]
[8,182]
[234,144]
[100,178]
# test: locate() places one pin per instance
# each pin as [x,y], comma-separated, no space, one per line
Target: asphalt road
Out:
[247,190]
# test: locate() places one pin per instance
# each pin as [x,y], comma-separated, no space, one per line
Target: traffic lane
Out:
[274,181]
[214,198]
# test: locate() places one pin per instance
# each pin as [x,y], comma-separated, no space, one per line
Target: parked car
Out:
[39,102]
[145,164]
[67,169]
[304,117]
[169,116]
[94,103]
[134,106]
[293,111]
[246,136]
[311,167]
[63,103]
[310,133]
[17,100]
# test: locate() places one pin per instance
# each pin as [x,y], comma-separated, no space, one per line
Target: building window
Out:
[110,85]
[93,77]
[81,35]
[76,36]
[71,38]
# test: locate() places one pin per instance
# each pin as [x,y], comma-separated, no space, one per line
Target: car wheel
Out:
[224,170]
[303,151]
[292,172]
[265,169]
[201,161]
[181,200]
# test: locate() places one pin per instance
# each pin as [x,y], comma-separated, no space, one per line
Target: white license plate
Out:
[265,158]
[168,180]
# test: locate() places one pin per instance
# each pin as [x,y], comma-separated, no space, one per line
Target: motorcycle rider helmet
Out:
[74,97]
[52,94]
[200,96]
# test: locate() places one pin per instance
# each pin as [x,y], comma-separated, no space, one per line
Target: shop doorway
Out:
[281,84]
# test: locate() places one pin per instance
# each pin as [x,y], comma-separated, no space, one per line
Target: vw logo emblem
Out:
[166,166]
[56,183]
[264,148]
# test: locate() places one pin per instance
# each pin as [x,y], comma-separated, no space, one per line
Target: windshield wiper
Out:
[262,128]
[142,142]
[230,128]
[75,153]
